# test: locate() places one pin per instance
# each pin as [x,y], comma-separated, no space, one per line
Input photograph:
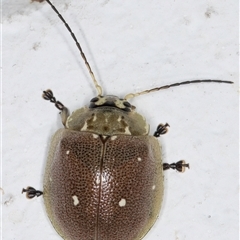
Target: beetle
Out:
[104,172]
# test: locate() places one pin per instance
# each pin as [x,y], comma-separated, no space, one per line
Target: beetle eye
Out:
[127,104]
[94,99]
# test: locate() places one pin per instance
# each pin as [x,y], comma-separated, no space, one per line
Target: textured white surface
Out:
[131,46]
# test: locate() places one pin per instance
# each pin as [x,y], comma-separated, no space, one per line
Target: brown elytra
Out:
[103,188]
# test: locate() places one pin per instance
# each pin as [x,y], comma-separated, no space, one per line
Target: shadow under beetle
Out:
[104,173]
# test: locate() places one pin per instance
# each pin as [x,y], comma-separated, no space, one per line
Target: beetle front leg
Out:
[48,95]
[161,129]
[31,192]
[180,166]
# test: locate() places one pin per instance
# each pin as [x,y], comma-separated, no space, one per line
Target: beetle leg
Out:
[179,166]
[161,129]
[48,95]
[32,192]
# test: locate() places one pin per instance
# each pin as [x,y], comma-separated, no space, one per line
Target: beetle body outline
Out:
[122,202]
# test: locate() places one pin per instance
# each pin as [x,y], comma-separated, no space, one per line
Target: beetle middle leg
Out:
[180,166]
[48,95]
[31,192]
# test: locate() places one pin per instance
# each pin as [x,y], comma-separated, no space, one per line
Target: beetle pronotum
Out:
[104,174]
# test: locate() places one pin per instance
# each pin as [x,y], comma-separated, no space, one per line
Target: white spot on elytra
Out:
[139,159]
[98,180]
[67,152]
[113,138]
[75,200]
[95,136]
[122,202]
[153,187]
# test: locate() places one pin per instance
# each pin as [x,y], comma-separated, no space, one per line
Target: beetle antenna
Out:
[98,87]
[132,95]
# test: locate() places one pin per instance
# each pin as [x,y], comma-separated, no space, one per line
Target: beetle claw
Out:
[161,129]
[180,166]
[32,192]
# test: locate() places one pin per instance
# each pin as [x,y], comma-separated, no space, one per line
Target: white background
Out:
[131,46]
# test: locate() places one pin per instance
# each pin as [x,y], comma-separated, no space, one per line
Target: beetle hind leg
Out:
[31,192]
[161,129]
[180,166]
[48,95]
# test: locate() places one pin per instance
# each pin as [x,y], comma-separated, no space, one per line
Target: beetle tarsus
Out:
[48,95]
[161,129]
[180,166]
[31,192]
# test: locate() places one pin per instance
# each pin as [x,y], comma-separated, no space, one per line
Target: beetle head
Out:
[111,101]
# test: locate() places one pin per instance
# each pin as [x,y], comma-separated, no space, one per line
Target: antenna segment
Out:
[132,95]
[98,87]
